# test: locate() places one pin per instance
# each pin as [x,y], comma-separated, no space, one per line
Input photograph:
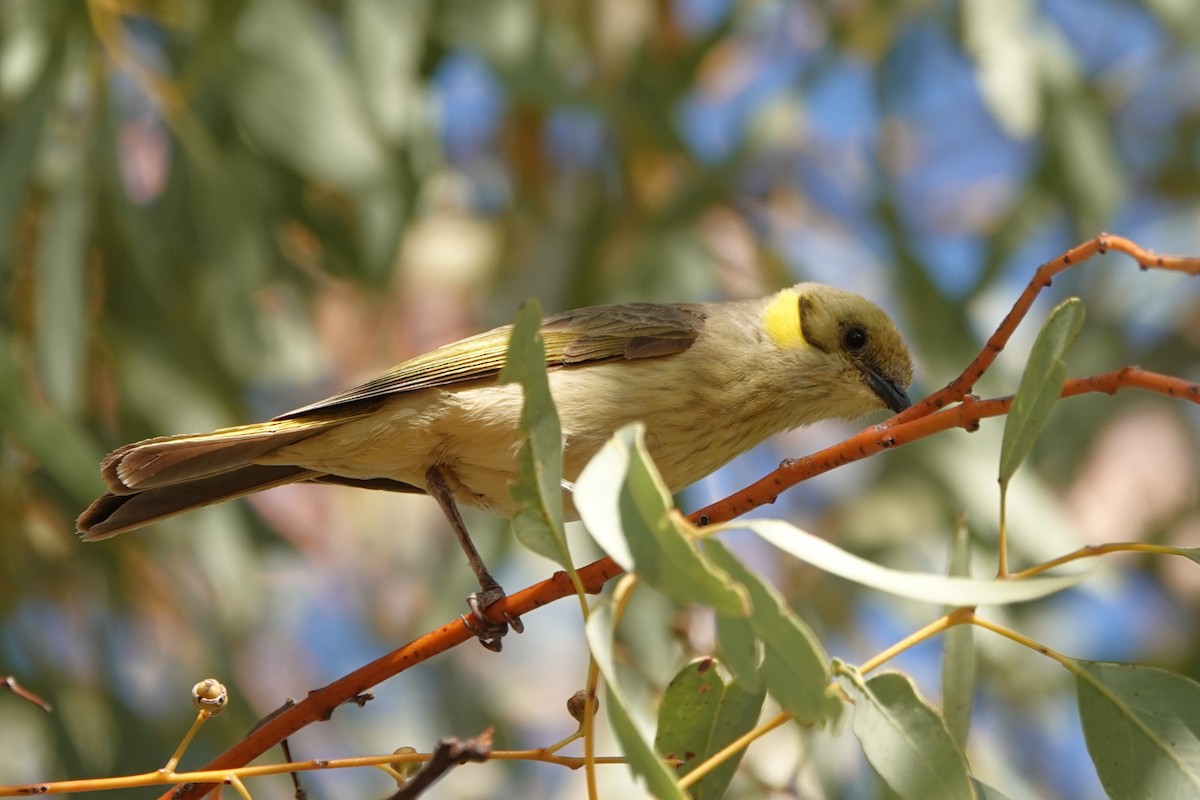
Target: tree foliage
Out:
[213,212]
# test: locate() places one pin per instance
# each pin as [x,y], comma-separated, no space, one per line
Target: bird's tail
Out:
[158,478]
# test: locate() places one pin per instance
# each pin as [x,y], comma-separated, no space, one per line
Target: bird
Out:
[709,381]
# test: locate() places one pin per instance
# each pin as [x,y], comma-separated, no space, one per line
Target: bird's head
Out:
[850,353]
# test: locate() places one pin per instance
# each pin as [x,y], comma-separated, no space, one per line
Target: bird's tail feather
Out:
[116,513]
[170,460]
[158,478]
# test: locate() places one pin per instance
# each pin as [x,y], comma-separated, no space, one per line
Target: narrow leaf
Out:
[905,740]
[740,649]
[643,761]
[985,792]
[1041,385]
[537,491]
[701,713]
[62,308]
[795,667]
[19,142]
[958,657]
[61,447]
[1142,727]
[627,509]
[929,587]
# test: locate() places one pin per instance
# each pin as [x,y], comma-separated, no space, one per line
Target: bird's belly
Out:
[470,432]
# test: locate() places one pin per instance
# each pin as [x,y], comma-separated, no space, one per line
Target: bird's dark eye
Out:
[854,339]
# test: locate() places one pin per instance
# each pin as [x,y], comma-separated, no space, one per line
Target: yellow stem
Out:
[956,617]
[1099,550]
[237,784]
[1002,572]
[173,761]
[733,748]
[1021,638]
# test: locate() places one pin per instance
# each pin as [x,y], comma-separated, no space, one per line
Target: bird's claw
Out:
[488,632]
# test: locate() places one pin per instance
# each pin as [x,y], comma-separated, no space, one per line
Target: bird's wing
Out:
[586,335]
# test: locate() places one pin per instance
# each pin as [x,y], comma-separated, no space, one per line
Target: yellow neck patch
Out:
[782,320]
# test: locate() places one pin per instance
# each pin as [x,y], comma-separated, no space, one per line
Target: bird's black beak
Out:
[890,392]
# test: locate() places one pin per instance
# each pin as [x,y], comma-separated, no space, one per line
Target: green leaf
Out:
[795,667]
[62,449]
[958,657]
[62,278]
[700,714]
[905,740]
[985,792]
[627,509]
[740,650]
[643,761]
[1041,385]
[298,102]
[19,141]
[925,586]
[537,491]
[1142,727]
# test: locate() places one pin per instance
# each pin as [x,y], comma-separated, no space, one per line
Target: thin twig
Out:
[10,683]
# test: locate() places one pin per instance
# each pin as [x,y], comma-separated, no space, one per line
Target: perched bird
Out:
[708,380]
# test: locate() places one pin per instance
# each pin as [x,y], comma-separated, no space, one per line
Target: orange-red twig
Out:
[961,386]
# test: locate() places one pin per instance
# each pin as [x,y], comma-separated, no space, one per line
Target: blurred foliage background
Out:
[214,212]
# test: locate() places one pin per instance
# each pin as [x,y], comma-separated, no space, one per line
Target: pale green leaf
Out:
[56,443]
[537,491]
[643,761]
[700,714]
[297,100]
[1142,726]
[627,509]
[62,281]
[19,141]
[958,657]
[1041,385]
[905,740]
[925,586]
[985,792]
[794,667]
[740,649]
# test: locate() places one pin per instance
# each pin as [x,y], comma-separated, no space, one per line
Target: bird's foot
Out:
[489,633]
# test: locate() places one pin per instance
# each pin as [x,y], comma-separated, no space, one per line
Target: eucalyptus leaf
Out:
[701,713]
[19,142]
[905,740]
[1041,385]
[740,649]
[62,297]
[794,667]
[924,586]
[640,755]
[626,507]
[537,491]
[958,655]
[985,792]
[299,102]
[1142,726]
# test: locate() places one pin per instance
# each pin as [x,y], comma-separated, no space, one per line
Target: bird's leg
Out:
[490,591]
